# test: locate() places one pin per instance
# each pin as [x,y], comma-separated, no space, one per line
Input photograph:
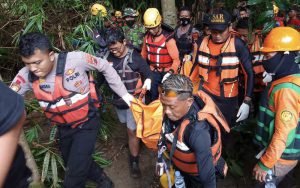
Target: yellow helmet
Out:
[152,18]
[275,9]
[98,7]
[118,14]
[281,39]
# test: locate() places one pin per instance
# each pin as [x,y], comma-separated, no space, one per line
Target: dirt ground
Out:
[116,149]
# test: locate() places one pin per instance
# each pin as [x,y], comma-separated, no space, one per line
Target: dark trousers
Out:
[155,83]
[228,107]
[77,146]
[19,173]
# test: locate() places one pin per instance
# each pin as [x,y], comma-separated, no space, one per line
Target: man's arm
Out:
[20,83]
[174,53]
[286,120]
[199,141]
[246,64]
[89,62]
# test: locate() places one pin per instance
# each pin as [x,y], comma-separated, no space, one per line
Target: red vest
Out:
[157,52]
[63,106]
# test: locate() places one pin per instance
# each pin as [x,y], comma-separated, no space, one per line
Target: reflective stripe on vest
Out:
[227,62]
[184,159]
[157,53]
[63,106]
[257,63]
[266,120]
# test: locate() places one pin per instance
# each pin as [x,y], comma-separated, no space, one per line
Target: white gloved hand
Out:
[128,99]
[267,77]
[165,77]
[147,84]
[243,112]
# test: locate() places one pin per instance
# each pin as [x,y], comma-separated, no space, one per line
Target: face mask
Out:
[271,64]
[130,23]
[185,21]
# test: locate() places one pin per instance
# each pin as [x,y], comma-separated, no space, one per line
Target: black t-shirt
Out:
[11,108]
[138,64]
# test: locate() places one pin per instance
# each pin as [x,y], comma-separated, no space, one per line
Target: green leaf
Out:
[254,2]
[268,26]
[54,170]
[236,169]
[45,166]
[53,133]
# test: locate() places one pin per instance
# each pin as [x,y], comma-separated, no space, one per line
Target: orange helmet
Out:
[281,39]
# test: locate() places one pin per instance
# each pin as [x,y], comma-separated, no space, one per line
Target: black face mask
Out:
[130,23]
[288,66]
[185,21]
[271,64]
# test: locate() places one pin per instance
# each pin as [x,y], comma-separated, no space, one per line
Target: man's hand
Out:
[128,99]
[259,174]
[165,77]
[243,112]
[147,84]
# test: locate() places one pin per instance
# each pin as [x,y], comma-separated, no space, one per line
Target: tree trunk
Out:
[169,12]
[36,177]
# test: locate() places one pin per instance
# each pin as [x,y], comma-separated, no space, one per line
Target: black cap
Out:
[220,20]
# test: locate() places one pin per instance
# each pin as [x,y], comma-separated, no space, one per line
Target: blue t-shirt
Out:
[11,108]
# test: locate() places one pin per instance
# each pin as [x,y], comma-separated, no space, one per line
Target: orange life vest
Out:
[258,68]
[158,56]
[227,66]
[63,106]
[184,159]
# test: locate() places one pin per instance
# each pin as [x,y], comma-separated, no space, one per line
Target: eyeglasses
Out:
[174,93]
[115,50]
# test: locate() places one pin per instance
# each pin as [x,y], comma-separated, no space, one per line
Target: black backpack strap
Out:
[61,62]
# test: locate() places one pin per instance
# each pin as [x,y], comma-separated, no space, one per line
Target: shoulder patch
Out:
[15,87]
[286,116]
[91,59]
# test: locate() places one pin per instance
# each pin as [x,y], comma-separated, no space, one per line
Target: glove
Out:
[128,99]
[147,84]
[243,112]
[165,77]
[267,77]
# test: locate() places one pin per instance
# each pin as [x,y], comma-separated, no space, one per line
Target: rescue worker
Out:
[253,41]
[205,22]
[67,95]
[278,125]
[220,57]
[188,132]
[101,17]
[13,171]
[130,66]
[293,21]
[160,51]
[117,20]
[134,31]
[184,33]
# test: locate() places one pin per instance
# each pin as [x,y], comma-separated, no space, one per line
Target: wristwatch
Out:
[247,101]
